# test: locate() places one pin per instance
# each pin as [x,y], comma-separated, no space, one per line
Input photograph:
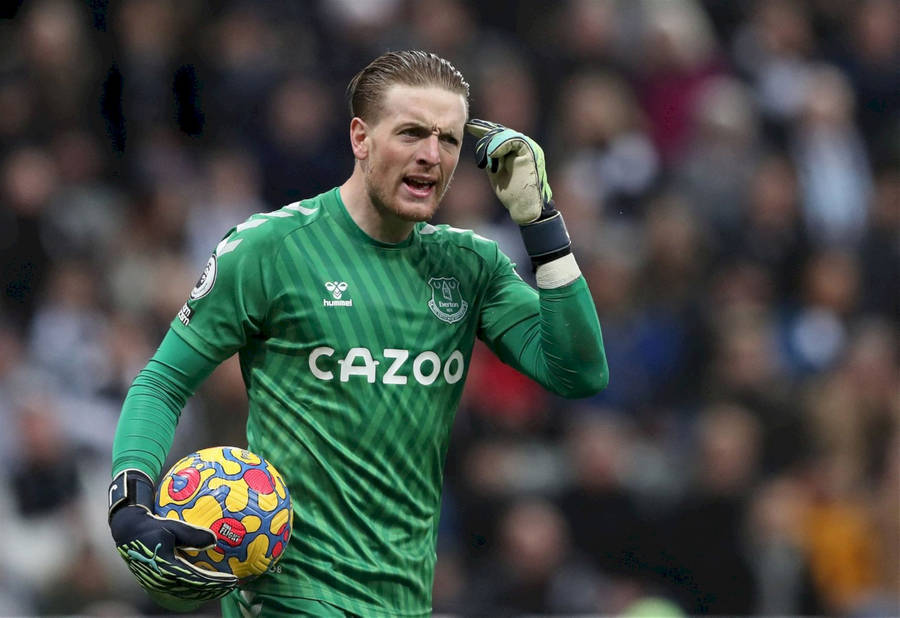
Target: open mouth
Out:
[420,187]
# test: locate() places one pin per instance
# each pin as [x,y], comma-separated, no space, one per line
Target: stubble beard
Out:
[386,206]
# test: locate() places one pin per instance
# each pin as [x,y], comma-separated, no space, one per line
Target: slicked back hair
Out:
[410,68]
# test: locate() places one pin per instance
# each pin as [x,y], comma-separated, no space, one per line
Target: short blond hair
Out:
[410,68]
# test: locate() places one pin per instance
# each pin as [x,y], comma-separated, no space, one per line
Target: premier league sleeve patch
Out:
[206,281]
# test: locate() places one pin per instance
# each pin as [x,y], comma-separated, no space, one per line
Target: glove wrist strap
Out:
[546,239]
[130,487]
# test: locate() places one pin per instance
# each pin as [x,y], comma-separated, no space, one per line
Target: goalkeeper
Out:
[354,319]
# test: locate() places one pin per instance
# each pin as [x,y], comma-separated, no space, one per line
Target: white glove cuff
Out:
[561,271]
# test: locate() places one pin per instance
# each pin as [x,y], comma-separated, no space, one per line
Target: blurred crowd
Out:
[730,174]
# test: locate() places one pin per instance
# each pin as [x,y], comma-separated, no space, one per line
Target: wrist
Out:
[547,238]
[130,487]
[557,273]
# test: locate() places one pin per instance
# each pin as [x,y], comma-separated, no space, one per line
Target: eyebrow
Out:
[425,129]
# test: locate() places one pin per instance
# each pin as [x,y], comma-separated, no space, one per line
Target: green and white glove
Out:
[516,171]
[148,545]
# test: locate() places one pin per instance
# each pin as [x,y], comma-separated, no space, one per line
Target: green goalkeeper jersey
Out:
[354,353]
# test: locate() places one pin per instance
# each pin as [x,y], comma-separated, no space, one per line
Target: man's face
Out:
[412,150]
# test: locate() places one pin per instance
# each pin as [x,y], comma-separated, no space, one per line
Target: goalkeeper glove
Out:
[147,543]
[517,174]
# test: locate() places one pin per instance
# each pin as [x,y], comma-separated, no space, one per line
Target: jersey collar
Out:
[336,205]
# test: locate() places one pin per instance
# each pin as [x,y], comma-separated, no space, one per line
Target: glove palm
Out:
[517,171]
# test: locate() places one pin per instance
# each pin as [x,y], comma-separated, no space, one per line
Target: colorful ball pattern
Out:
[238,495]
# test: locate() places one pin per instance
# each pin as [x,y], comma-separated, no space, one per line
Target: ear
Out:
[359,132]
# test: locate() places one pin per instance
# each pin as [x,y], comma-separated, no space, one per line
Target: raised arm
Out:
[561,347]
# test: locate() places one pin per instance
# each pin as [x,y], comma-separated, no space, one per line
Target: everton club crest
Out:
[446,301]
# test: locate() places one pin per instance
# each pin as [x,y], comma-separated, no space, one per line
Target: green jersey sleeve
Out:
[153,406]
[553,336]
[508,300]
[562,348]
[230,301]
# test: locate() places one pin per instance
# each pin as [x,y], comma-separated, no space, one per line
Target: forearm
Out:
[562,348]
[153,406]
[147,424]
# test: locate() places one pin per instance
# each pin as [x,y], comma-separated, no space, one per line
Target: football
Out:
[238,495]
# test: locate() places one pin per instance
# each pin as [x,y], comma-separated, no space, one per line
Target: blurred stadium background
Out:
[730,172]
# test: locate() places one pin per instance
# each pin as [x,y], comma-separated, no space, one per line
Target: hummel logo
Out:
[337,289]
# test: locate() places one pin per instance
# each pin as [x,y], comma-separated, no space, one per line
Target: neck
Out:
[375,221]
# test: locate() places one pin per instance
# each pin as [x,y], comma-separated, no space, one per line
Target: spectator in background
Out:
[870,54]
[29,181]
[510,89]
[746,368]
[725,465]
[586,33]
[534,568]
[853,408]
[40,498]
[677,55]
[61,64]
[147,36]
[885,500]
[668,328]
[161,161]
[606,523]
[88,214]
[69,329]
[773,48]
[771,233]
[363,28]
[447,27]
[778,553]
[126,347]
[839,532]
[853,415]
[880,251]
[816,331]
[502,398]
[724,137]
[298,154]
[150,257]
[611,162]
[244,55]
[832,164]
[17,108]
